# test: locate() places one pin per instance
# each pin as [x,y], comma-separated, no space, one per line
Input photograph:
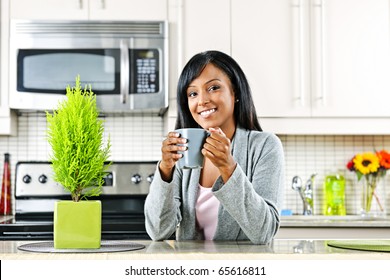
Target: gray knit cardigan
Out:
[250,200]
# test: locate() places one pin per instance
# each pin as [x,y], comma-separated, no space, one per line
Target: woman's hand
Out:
[170,154]
[217,150]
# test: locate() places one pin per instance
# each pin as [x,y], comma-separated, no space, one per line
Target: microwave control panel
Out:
[145,71]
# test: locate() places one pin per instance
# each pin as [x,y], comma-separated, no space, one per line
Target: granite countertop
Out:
[278,249]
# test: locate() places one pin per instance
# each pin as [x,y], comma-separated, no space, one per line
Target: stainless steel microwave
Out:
[126,63]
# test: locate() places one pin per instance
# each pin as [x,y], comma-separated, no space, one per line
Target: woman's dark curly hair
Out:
[244,110]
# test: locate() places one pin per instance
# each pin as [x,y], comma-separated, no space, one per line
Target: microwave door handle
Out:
[125,70]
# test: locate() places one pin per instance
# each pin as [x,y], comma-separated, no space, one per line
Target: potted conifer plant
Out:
[79,161]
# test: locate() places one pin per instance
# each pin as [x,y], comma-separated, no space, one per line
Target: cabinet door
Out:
[206,26]
[350,58]
[90,9]
[8,119]
[49,9]
[128,9]
[270,42]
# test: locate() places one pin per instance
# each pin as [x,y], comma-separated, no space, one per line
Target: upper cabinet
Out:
[128,9]
[49,9]
[206,26]
[90,9]
[8,119]
[196,26]
[314,58]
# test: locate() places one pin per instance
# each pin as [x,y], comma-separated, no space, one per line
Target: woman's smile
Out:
[207,113]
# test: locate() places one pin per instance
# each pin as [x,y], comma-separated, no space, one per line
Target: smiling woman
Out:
[211,100]
[238,192]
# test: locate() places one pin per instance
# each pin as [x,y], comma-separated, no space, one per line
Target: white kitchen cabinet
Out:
[7,117]
[206,26]
[309,59]
[89,9]
[128,9]
[199,25]
[49,9]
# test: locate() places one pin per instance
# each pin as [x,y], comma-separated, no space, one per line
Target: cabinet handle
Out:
[320,67]
[102,4]
[299,49]
[80,4]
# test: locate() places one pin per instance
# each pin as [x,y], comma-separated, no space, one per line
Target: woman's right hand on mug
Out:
[170,154]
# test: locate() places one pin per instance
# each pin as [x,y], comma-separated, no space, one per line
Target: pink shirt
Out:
[206,209]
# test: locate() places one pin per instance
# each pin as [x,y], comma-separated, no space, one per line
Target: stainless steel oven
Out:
[124,192]
[124,62]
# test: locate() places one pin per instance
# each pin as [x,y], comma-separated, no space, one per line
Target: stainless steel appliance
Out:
[126,63]
[124,192]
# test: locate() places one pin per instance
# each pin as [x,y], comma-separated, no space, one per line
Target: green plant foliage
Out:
[75,134]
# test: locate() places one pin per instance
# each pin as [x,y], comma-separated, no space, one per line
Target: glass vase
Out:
[373,197]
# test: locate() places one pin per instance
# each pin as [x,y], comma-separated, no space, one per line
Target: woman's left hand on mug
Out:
[217,150]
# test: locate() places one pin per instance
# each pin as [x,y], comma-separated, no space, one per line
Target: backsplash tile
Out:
[138,138]
[133,138]
[325,154]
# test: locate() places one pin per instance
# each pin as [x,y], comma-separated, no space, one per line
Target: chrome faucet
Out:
[306,193]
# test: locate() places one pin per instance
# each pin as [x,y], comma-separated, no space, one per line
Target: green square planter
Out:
[77,225]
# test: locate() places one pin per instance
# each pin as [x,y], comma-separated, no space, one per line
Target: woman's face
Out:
[211,99]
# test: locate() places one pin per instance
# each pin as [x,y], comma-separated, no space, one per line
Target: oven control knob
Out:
[27,179]
[42,179]
[150,178]
[136,179]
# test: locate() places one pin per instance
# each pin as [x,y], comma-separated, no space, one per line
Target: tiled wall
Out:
[306,155]
[133,138]
[138,138]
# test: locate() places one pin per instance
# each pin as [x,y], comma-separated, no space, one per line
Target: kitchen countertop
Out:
[333,227]
[335,221]
[187,250]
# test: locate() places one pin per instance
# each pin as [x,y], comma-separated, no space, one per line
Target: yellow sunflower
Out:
[366,163]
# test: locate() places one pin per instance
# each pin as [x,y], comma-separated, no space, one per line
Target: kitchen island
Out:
[282,259]
[279,249]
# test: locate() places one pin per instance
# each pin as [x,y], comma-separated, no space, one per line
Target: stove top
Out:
[124,192]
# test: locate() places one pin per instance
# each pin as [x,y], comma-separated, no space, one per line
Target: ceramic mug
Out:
[192,157]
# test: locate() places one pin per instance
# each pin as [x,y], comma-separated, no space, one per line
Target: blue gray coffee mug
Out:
[192,157]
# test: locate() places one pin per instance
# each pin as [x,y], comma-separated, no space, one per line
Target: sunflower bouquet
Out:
[371,166]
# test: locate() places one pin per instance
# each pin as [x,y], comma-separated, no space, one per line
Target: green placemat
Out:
[365,245]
